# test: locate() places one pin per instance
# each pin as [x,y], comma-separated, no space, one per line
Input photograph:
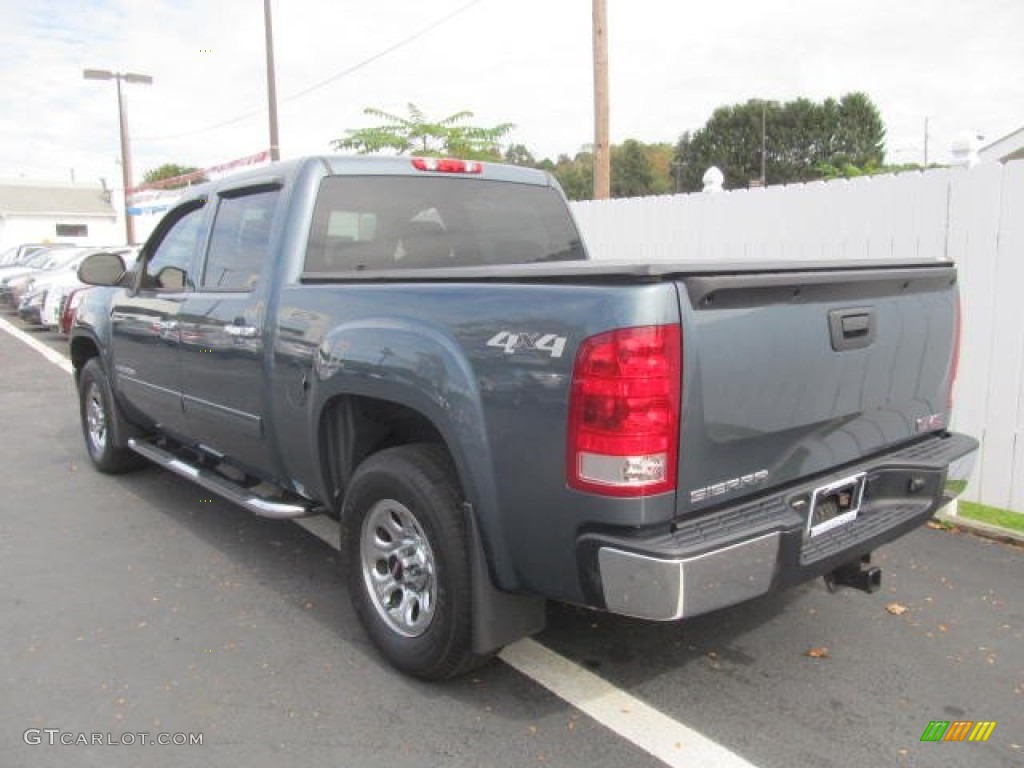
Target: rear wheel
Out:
[105,430]
[407,563]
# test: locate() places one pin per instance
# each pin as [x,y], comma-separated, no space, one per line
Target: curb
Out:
[948,515]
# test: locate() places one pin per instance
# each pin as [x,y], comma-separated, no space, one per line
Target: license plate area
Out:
[835,505]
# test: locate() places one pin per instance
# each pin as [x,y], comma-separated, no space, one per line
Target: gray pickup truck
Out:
[423,348]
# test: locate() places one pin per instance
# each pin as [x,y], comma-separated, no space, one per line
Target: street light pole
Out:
[126,154]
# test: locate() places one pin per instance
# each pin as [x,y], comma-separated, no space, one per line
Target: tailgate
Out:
[789,374]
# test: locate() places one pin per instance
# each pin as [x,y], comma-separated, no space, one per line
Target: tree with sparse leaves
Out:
[414,134]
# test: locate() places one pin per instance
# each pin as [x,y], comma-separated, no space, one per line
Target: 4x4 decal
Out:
[514,342]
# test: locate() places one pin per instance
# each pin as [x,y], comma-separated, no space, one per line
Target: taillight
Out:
[446,165]
[624,412]
[68,306]
[955,362]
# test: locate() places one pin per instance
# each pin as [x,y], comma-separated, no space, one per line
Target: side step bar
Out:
[220,485]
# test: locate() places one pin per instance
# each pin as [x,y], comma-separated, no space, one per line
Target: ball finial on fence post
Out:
[712,180]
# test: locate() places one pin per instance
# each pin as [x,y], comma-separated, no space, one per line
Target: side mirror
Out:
[101,269]
[171,279]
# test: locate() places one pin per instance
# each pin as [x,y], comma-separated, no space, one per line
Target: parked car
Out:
[30,263]
[30,307]
[50,291]
[17,255]
[14,285]
[69,306]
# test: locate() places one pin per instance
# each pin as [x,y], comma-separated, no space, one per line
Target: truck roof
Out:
[371,165]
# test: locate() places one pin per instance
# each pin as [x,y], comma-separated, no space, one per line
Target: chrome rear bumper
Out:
[659,579]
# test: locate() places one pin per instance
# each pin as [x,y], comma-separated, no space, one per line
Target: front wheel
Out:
[104,427]
[406,560]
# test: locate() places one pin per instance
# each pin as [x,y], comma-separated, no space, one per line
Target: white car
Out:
[19,281]
[48,292]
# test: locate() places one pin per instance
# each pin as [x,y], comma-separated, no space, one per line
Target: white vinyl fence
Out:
[975,217]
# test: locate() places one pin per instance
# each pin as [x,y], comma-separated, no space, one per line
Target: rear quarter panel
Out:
[443,349]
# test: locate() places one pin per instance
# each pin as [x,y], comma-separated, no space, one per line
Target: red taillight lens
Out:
[624,412]
[68,310]
[446,165]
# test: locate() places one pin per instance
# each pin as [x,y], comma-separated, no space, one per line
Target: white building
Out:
[53,212]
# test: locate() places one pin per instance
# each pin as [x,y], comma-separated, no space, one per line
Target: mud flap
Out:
[499,618]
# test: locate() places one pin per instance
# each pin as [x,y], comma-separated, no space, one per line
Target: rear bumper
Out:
[736,553]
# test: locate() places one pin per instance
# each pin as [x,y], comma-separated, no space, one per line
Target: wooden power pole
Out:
[275,147]
[602,150]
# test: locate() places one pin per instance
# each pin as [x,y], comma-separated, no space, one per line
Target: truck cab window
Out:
[240,241]
[169,268]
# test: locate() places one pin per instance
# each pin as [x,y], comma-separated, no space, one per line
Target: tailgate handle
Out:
[851,328]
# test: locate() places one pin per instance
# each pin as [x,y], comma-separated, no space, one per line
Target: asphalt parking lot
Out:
[140,604]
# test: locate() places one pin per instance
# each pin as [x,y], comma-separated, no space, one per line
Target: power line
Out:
[386,51]
[345,72]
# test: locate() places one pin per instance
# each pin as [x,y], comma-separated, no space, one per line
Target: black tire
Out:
[104,428]
[406,559]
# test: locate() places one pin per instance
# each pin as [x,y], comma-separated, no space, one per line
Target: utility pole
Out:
[275,150]
[126,152]
[602,150]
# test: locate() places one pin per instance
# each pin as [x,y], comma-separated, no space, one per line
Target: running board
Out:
[211,481]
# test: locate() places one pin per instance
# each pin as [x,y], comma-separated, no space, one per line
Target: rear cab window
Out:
[240,240]
[407,222]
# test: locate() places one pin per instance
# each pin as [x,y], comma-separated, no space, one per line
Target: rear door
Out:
[145,330]
[222,329]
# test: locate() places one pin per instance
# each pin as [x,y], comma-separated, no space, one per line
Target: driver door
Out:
[145,329]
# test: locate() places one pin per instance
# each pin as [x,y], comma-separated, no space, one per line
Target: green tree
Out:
[803,140]
[660,157]
[170,171]
[575,175]
[631,170]
[416,135]
[518,154]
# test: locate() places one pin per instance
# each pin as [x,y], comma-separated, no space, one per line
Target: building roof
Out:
[40,198]
[1010,147]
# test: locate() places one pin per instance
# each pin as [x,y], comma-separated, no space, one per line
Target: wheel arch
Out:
[384,381]
[82,349]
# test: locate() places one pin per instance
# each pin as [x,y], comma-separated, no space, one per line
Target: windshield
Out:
[38,260]
[62,258]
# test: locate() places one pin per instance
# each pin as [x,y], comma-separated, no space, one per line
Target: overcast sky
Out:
[957,62]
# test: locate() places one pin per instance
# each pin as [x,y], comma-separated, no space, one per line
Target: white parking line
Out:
[53,356]
[651,730]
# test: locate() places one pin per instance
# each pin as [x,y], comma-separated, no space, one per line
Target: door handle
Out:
[852,328]
[240,331]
